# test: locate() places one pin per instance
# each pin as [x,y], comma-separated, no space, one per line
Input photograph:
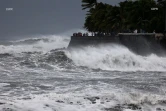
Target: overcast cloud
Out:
[31,17]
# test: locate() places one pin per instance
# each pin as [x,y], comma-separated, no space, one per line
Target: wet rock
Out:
[27,98]
[5,55]
[159,109]
[93,102]
[102,102]
[116,108]
[78,102]
[46,105]
[97,97]
[124,106]
[59,101]
[92,99]
[1,103]
[133,106]
[7,109]
[112,109]
[162,101]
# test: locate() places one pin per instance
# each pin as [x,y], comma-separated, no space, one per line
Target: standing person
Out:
[86,34]
[135,31]
[154,31]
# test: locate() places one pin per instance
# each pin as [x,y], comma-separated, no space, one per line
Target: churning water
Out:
[40,74]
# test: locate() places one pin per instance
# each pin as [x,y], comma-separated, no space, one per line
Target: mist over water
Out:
[41,74]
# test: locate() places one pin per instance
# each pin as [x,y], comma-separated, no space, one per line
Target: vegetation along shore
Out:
[143,15]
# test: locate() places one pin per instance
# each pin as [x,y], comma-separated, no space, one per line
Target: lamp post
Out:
[164,1]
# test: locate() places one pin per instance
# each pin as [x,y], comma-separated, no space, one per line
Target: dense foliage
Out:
[128,15]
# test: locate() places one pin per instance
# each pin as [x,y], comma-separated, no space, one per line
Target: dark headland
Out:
[118,27]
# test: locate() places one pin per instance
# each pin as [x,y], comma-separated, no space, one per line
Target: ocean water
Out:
[40,74]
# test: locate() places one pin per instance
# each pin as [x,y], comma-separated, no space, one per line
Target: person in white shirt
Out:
[135,31]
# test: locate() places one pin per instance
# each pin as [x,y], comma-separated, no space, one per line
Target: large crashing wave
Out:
[24,61]
[40,44]
[111,57]
[116,57]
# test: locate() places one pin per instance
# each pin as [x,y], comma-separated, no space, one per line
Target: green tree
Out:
[128,15]
[86,4]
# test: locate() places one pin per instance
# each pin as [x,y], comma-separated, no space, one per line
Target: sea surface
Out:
[41,74]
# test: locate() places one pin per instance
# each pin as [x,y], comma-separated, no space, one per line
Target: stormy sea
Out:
[40,74]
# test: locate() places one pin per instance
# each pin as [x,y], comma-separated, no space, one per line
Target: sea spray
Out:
[112,78]
[40,44]
[80,102]
[110,57]
[115,57]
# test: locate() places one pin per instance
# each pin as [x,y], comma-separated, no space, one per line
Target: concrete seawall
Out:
[139,43]
[92,40]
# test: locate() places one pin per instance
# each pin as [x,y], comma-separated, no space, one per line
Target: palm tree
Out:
[102,17]
[88,4]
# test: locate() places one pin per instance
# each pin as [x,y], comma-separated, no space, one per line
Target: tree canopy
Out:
[128,15]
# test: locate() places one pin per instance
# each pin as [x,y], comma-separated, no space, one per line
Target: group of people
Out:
[137,31]
[108,34]
[93,34]
[103,34]
[80,34]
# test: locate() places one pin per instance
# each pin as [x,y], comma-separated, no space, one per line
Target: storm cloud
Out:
[30,17]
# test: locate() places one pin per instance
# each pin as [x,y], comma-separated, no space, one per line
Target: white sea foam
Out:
[116,57]
[44,43]
[53,42]
[82,102]
[112,57]
[3,84]
[70,96]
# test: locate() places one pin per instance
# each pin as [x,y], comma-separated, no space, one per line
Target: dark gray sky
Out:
[31,17]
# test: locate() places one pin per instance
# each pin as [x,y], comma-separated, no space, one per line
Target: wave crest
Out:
[116,57]
[42,44]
